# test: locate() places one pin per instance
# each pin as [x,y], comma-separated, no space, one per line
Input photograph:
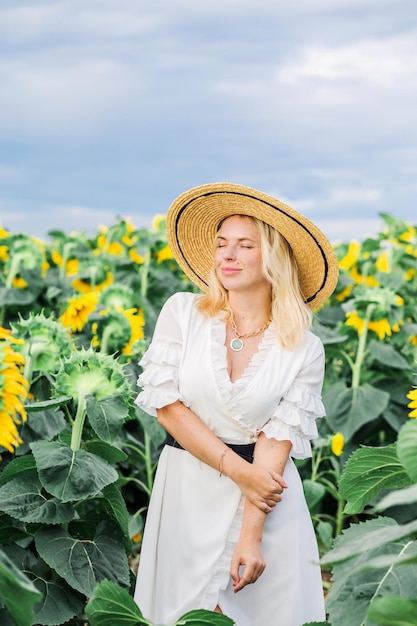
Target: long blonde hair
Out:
[290,314]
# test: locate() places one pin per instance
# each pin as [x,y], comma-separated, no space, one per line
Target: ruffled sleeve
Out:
[160,363]
[295,416]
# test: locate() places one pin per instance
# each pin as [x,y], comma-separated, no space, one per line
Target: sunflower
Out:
[118,330]
[408,235]
[87,286]
[381,327]
[337,444]
[158,222]
[382,263]
[44,343]
[88,373]
[13,392]
[164,254]
[25,253]
[78,311]
[412,395]
[136,257]
[70,266]
[351,256]
[117,297]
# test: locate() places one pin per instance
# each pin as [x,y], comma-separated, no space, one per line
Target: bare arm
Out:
[260,483]
[268,453]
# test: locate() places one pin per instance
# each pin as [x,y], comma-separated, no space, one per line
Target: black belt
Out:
[244,450]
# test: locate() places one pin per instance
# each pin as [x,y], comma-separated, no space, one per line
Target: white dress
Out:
[195,514]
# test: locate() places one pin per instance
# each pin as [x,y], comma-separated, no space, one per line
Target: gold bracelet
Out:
[225,451]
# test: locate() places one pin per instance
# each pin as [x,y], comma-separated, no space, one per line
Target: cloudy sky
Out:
[114,107]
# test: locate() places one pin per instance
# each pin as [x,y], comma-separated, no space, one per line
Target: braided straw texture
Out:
[194,217]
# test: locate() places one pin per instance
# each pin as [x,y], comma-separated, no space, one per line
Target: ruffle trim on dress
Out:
[295,419]
[160,353]
[159,380]
[301,446]
[221,572]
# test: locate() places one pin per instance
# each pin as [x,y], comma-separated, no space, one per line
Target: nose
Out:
[229,253]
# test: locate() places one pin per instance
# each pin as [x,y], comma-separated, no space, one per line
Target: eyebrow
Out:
[240,238]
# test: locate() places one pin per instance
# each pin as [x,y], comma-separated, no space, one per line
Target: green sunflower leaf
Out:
[349,409]
[59,602]
[355,584]
[22,498]
[387,355]
[406,448]
[17,591]
[110,605]
[84,563]
[368,471]
[17,467]
[107,416]
[202,617]
[71,475]
[393,611]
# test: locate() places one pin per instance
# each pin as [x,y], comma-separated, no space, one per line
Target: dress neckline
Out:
[219,356]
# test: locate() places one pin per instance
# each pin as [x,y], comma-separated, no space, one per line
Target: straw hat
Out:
[194,218]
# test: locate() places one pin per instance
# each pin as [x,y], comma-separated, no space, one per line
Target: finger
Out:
[234,570]
[246,579]
[264,507]
[279,479]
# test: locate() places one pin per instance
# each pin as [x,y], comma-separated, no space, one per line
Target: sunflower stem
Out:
[316,460]
[28,371]
[148,462]
[144,272]
[78,425]
[65,255]
[360,355]
[107,333]
[340,516]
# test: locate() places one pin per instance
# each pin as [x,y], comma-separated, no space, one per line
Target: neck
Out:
[249,309]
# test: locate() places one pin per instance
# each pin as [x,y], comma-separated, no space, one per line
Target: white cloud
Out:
[354,196]
[343,228]
[58,217]
[388,61]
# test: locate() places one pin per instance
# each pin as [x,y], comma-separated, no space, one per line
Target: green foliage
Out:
[85,562]
[393,611]
[348,410]
[375,562]
[17,592]
[407,446]
[112,606]
[73,497]
[367,472]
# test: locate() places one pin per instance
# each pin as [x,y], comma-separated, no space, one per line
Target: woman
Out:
[235,376]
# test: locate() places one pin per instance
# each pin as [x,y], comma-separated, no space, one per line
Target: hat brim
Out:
[194,218]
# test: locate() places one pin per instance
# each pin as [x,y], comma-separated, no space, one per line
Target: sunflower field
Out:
[77,456]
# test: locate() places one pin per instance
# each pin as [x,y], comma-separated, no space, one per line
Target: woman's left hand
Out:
[247,554]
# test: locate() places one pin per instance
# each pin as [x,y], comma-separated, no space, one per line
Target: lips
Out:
[229,271]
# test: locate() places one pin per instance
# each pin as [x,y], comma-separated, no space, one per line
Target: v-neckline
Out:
[219,351]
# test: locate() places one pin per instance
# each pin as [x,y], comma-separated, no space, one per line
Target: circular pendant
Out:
[236,344]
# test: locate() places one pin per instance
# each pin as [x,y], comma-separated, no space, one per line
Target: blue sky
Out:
[114,107]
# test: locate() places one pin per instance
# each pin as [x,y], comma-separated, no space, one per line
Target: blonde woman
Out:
[235,377]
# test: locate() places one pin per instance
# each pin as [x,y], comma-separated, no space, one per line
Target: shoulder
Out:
[181,302]
[314,346]
[182,298]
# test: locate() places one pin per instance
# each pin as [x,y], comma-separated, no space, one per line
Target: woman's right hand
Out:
[262,486]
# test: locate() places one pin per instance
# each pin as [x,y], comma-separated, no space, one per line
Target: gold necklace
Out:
[237,344]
